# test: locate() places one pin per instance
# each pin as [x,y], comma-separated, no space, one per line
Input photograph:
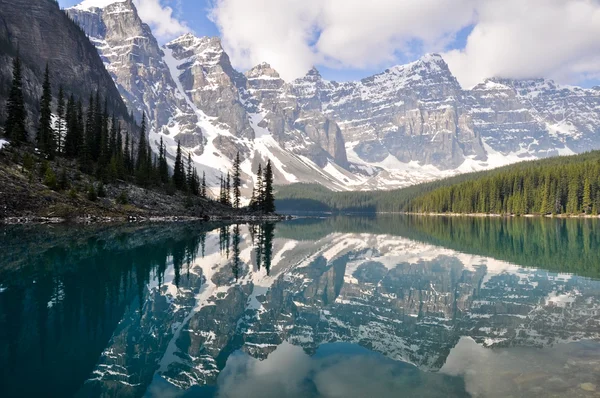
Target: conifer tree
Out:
[163,167]
[237,183]
[179,179]
[228,190]
[127,161]
[142,156]
[203,186]
[112,141]
[268,205]
[45,133]
[190,174]
[222,199]
[14,128]
[60,125]
[587,197]
[258,195]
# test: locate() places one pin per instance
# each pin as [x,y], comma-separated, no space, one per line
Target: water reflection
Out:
[335,307]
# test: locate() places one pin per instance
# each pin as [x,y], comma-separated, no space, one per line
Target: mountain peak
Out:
[90,4]
[263,70]
[189,40]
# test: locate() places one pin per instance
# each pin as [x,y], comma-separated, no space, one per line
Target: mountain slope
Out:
[42,33]
[559,185]
[407,125]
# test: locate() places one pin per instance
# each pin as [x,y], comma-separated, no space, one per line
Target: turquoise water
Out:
[333,307]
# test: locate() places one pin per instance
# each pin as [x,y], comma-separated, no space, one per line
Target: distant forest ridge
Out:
[555,244]
[558,185]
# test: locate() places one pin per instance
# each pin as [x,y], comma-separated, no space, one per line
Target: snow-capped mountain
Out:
[410,301]
[408,124]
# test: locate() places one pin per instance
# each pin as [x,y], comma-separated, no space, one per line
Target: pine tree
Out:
[143,165]
[587,197]
[14,128]
[258,194]
[203,186]
[45,135]
[222,199]
[179,179]
[190,175]
[127,162]
[60,125]
[269,200]
[112,141]
[228,190]
[163,167]
[237,183]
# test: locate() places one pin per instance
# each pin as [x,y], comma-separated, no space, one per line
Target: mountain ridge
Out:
[408,124]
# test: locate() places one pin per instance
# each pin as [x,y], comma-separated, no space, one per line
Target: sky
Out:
[352,39]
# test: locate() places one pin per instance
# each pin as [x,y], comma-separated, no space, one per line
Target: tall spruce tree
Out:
[228,190]
[222,199]
[237,182]
[45,134]
[60,124]
[163,167]
[203,186]
[190,174]
[179,179]
[268,205]
[14,128]
[143,166]
[258,194]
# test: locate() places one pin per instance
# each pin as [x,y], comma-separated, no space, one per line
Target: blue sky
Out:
[347,40]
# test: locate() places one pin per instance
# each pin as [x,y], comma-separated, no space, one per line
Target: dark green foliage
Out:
[268,199]
[203,186]
[63,181]
[257,191]
[143,164]
[163,167]
[45,135]
[122,199]
[228,190]
[237,182]
[101,191]
[179,178]
[28,162]
[14,128]
[59,125]
[50,179]
[561,185]
[91,193]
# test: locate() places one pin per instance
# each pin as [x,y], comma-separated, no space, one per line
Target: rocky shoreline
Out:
[26,199]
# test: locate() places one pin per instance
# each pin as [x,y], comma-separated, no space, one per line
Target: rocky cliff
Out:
[42,33]
[408,124]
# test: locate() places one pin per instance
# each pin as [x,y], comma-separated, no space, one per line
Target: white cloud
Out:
[511,38]
[161,18]
[293,35]
[534,38]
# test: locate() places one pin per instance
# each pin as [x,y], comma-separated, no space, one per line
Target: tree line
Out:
[94,138]
[559,185]
[262,198]
[565,187]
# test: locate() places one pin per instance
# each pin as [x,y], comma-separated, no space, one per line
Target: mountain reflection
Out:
[336,307]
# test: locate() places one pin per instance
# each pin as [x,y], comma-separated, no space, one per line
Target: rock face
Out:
[43,33]
[408,124]
[193,95]
[136,62]
[419,112]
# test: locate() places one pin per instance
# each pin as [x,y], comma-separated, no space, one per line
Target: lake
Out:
[381,306]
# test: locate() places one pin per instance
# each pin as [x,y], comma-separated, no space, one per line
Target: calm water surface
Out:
[333,307]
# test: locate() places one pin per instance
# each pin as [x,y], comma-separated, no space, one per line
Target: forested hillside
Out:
[564,185]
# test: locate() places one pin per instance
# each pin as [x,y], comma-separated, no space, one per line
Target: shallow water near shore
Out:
[331,307]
